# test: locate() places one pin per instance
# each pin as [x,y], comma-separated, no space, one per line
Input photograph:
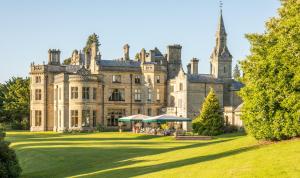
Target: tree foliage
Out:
[210,121]
[14,100]
[9,165]
[236,72]
[93,38]
[271,94]
[137,56]
[67,61]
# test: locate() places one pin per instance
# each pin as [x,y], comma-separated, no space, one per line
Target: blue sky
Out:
[28,28]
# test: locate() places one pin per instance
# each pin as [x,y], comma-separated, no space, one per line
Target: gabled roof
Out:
[236,85]
[239,108]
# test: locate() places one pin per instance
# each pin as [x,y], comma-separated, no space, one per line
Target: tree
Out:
[210,121]
[67,61]
[272,79]
[9,165]
[137,56]
[236,72]
[93,38]
[15,95]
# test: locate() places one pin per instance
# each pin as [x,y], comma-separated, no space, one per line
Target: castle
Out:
[91,90]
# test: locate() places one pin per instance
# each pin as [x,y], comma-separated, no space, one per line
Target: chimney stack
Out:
[126,52]
[194,66]
[54,56]
[189,68]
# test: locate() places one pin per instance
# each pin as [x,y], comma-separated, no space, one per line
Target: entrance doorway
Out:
[113,115]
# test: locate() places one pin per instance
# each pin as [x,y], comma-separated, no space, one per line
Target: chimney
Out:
[194,66]
[54,56]
[126,52]
[143,55]
[189,68]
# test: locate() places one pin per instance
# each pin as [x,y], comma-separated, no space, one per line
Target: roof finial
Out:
[221,5]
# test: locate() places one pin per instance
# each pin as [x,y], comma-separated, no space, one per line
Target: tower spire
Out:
[221,57]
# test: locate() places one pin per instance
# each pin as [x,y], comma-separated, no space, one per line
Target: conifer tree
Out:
[210,121]
[93,38]
[272,77]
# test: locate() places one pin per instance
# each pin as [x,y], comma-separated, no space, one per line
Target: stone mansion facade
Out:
[92,91]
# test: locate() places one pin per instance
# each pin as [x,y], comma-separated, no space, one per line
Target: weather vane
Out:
[221,5]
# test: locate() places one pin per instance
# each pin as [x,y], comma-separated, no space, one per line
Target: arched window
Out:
[117,95]
[224,69]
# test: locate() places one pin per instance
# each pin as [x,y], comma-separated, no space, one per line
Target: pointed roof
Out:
[221,27]
[221,40]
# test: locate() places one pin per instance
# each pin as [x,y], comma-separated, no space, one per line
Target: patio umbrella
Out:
[167,118]
[138,117]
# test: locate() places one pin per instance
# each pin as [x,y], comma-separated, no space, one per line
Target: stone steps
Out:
[193,138]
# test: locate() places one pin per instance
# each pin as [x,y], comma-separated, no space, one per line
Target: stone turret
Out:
[54,56]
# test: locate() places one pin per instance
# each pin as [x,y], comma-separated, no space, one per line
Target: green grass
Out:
[116,155]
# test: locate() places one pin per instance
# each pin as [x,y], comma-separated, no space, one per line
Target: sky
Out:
[28,28]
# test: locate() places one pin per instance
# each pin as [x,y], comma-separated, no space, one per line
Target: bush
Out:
[9,166]
[99,128]
[230,129]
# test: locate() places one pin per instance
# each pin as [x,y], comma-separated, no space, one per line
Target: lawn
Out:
[117,155]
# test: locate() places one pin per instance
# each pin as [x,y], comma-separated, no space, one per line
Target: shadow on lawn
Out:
[136,171]
[70,161]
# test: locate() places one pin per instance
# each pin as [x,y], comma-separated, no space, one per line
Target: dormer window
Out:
[116,78]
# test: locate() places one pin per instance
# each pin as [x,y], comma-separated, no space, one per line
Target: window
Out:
[180,103]
[224,69]
[157,111]
[74,92]
[94,93]
[157,95]
[59,119]
[116,78]
[85,93]
[157,79]
[149,94]
[180,87]
[85,118]
[74,118]
[38,118]
[149,79]
[137,79]
[94,118]
[172,88]
[149,111]
[59,95]
[137,95]
[38,79]
[117,95]
[38,94]
[56,92]
[138,111]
